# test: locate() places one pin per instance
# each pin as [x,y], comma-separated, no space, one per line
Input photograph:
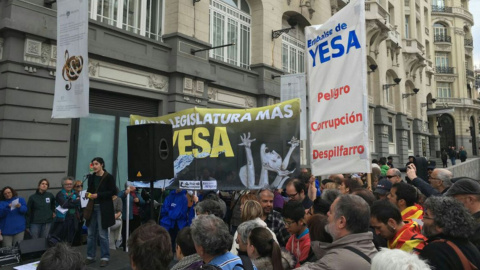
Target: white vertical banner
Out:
[71,82]
[338,101]
[294,86]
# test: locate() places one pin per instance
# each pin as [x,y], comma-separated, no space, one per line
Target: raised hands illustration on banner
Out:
[271,161]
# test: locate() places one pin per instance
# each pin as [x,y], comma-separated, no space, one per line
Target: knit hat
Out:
[464,186]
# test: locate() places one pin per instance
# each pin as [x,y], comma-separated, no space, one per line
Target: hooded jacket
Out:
[174,209]
[337,257]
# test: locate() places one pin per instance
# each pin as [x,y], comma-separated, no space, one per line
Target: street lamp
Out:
[439,127]
[415,91]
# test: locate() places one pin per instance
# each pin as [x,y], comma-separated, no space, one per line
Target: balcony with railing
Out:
[468,42]
[444,70]
[375,10]
[442,9]
[442,38]
[470,73]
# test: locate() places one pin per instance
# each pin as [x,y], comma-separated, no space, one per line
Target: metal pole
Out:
[127,219]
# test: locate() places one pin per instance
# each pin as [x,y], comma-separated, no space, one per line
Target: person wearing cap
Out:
[382,189]
[467,191]
[387,221]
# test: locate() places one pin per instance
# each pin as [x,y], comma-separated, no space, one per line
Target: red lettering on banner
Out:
[338,151]
[336,122]
[334,93]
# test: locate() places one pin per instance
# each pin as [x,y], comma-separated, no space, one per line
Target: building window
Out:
[439,3]
[407,26]
[392,147]
[410,138]
[441,60]
[143,17]
[230,22]
[444,90]
[105,136]
[293,56]
[371,130]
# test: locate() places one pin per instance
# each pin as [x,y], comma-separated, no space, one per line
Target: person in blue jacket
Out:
[12,217]
[173,215]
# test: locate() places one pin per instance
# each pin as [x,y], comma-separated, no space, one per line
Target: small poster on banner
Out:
[190,185]
[209,184]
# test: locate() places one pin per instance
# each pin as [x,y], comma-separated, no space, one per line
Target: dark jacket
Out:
[41,207]
[475,239]
[105,192]
[441,256]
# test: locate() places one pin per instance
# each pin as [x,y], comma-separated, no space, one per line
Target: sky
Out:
[475,10]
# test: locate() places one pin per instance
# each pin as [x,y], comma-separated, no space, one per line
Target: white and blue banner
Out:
[338,99]
[71,82]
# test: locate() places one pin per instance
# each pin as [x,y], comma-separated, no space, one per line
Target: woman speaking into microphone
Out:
[101,188]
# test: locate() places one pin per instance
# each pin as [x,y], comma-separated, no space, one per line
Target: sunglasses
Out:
[79,186]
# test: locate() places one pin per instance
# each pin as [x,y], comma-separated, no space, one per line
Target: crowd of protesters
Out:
[429,220]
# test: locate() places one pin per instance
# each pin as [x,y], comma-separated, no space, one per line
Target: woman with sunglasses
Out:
[41,211]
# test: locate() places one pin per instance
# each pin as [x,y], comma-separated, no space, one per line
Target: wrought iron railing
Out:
[444,70]
[442,38]
[470,73]
[441,9]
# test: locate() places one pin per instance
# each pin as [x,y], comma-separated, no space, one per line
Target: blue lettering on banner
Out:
[323,52]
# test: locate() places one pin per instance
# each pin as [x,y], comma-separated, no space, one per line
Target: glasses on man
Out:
[291,196]
[288,223]
[77,186]
[390,176]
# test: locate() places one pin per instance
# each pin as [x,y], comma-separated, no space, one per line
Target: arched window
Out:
[230,22]
[293,47]
[142,17]
[440,33]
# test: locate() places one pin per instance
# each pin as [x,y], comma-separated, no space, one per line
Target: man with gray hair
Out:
[243,231]
[440,181]
[61,257]
[448,225]
[394,176]
[348,224]
[209,207]
[212,241]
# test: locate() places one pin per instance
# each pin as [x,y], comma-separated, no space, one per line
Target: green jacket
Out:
[41,207]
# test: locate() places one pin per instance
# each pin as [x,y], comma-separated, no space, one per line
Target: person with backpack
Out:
[212,241]
[448,226]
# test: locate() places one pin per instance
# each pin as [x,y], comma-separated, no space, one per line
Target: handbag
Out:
[88,210]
